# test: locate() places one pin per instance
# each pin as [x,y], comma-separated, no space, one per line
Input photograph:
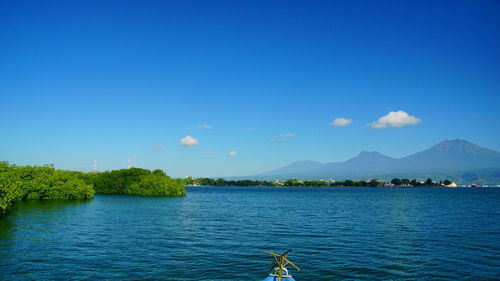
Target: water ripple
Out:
[220,233]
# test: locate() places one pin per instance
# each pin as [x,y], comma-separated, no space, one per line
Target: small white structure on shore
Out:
[452,184]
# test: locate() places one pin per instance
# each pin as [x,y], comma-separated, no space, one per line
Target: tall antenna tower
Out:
[129,163]
[94,168]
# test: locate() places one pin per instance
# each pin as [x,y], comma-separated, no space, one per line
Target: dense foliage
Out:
[40,182]
[136,181]
[45,182]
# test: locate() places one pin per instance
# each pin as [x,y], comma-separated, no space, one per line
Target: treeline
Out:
[136,181]
[414,182]
[41,183]
[222,182]
[290,182]
[45,182]
[315,183]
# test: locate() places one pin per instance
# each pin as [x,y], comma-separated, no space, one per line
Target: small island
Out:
[136,181]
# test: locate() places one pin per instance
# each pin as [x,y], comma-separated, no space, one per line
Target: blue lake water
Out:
[220,233]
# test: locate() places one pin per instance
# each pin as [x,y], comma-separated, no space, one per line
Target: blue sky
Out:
[112,80]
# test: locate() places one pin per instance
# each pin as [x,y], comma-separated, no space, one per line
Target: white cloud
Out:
[158,146]
[395,119]
[200,127]
[232,153]
[341,122]
[205,127]
[188,141]
[208,152]
[283,137]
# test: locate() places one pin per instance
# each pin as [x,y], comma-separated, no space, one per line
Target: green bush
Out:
[136,181]
[41,183]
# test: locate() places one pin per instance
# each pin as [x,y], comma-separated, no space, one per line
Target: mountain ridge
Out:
[451,158]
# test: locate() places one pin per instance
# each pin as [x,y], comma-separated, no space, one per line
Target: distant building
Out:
[452,184]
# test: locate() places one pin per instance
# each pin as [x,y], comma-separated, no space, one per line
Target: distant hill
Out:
[297,168]
[458,160]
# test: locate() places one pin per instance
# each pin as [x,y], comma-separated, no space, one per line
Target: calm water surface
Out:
[219,234]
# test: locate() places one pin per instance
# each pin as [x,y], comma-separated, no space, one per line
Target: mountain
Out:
[296,168]
[365,161]
[458,160]
[453,154]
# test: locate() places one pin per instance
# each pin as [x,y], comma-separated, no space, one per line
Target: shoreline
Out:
[374,187]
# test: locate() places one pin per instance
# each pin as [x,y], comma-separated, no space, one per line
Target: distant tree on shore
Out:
[396,181]
[414,182]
